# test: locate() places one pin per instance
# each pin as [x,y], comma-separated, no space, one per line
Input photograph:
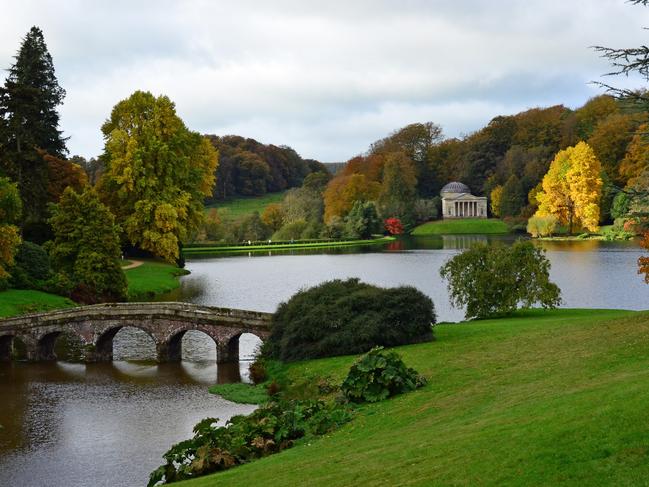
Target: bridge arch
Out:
[229,349]
[6,347]
[174,345]
[103,347]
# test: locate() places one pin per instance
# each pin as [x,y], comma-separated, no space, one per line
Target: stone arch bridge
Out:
[166,323]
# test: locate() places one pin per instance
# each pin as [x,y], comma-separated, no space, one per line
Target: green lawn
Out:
[152,278]
[209,250]
[462,226]
[240,207]
[21,301]
[544,398]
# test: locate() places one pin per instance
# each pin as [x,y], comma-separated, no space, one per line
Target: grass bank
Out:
[241,393]
[226,249]
[542,398]
[151,279]
[240,207]
[15,302]
[461,226]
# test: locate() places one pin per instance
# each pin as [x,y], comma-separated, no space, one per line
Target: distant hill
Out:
[249,168]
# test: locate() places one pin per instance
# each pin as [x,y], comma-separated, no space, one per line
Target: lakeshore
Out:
[560,392]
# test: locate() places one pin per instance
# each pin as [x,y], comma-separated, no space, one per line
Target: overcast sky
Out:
[329,77]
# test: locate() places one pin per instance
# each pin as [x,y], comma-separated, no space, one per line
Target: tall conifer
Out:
[29,121]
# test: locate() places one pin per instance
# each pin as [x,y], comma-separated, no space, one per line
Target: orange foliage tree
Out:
[61,174]
[343,191]
[636,159]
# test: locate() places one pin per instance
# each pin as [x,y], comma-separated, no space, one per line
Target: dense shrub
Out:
[270,429]
[31,267]
[348,317]
[378,375]
[493,280]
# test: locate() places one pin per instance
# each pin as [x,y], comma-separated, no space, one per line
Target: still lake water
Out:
[68,424]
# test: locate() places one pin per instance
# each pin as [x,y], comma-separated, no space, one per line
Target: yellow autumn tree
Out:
[572,188]
[496,198]
[157,174]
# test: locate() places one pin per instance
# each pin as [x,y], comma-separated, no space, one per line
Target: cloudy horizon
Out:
[327,80]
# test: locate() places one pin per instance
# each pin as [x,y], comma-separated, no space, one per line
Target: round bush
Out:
[348,317]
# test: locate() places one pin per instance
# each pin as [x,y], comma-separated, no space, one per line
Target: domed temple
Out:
[458,202]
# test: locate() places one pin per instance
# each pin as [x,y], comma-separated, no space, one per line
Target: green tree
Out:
[398,189]
[10,211]
[29,121]
[495,280]
[85,252]
[416,141]
[362,221]
[253,228]
[157,173]
[512,198]
[302,204]
[291,230]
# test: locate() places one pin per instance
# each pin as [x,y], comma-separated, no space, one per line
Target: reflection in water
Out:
[108,423]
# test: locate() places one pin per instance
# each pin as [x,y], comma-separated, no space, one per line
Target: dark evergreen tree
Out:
[29,121]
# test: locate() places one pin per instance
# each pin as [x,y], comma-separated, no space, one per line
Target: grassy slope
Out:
[449,227]
[20,301]
[152,278]
[240,207]
[546,398]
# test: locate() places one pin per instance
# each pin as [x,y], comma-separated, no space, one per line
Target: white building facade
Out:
[458,202]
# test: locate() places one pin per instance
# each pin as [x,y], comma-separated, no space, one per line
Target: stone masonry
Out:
[166,323]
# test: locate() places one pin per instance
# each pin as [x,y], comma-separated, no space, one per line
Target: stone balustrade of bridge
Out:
[165,322]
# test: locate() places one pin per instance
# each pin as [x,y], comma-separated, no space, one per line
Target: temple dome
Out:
[455,187]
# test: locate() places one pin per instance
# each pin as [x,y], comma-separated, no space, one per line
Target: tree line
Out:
[506,161]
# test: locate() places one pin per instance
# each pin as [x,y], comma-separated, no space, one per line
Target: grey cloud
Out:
[326,78]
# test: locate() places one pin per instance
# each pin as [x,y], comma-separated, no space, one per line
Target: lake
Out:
[108,424]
